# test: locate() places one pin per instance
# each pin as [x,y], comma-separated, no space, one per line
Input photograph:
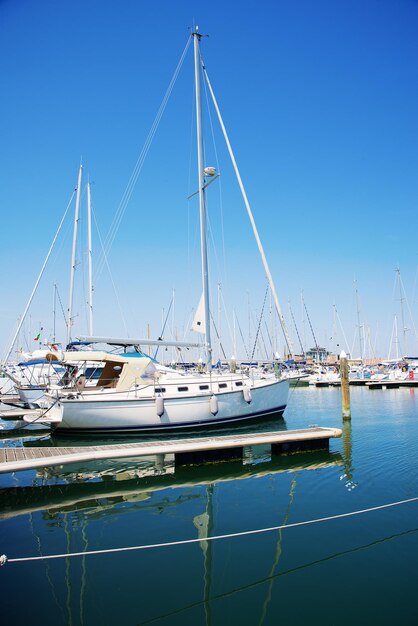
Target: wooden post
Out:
[345,388]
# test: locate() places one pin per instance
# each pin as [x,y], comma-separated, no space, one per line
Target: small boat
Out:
[324,376]
[34,376]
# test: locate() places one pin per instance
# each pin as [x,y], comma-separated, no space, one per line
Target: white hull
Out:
[31,396]
[324,378]
[115,412]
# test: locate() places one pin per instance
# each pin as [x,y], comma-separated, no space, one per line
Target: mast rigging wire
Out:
[164,325]
[139,164]
[22,319]
[259,324]
[106,261]
[296,328]
[250,215]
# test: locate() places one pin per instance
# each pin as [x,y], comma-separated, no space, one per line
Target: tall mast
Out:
[90,260]
[312,331]
[202,204]
[54,309]
[73,259]
[219,330]
[296,329]
[401,300]
[360,328]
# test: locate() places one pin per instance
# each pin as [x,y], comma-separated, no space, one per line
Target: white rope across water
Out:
[4,559]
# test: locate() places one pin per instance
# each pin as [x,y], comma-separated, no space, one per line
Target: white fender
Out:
[159,405]
[246,392]
[214,407]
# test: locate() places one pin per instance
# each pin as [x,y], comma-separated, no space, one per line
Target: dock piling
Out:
[345,387]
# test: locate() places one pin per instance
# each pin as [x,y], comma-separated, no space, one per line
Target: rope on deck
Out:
[4,559]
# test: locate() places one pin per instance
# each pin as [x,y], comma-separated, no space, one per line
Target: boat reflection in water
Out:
[131,502]
[148,500]
[98,486]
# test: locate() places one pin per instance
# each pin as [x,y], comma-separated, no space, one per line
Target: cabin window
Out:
[238,384]
[159,389]
[203,387]
[222,385]
[182,389]
[93,373]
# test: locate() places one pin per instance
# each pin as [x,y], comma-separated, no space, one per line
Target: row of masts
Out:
[202,172]
[199,69]
[69,317]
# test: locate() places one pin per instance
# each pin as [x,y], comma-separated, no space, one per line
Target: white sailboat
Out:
[133,392]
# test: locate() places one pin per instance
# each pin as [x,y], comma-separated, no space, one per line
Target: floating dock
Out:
[391,384]
[186,451]
[370,383]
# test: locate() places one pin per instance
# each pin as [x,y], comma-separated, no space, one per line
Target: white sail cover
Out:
[198,325]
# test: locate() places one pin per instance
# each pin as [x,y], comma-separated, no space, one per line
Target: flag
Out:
[38,335]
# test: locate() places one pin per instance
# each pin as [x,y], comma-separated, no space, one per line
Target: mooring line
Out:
[4,559]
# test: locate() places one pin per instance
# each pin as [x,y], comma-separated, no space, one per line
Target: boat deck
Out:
[19,413]
[10,399]
[186,451]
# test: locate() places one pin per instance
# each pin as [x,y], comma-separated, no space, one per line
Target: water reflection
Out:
[100,488]
[348,455]
[274,575]
[78,504]
[205,526]
[257,581]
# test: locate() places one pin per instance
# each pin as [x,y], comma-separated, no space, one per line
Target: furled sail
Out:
[198,325]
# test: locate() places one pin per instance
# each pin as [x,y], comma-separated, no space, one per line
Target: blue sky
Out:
[320,101]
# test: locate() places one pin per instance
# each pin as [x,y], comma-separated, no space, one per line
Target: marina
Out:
[209,385]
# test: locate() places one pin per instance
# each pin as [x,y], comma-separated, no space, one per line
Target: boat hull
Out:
[113,414]
[31,395]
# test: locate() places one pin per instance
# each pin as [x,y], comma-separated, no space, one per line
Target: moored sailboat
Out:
[133,392]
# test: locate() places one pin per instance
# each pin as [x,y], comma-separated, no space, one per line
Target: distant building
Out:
[318,355]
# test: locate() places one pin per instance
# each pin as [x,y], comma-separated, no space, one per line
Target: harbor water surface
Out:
[360,569]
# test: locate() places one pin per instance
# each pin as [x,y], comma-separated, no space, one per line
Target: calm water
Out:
[357,570]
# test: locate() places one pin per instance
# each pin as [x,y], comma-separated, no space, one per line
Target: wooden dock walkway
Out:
[370,383]
[186,451]
[391,384]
